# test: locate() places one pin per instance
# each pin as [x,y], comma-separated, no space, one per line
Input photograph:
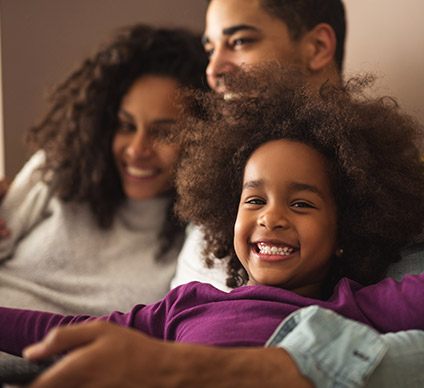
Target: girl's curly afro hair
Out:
[376,167]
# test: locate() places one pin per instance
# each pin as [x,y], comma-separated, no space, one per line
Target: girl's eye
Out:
[302,205]
[254,201]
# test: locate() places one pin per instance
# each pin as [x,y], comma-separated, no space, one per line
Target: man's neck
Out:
[330,75]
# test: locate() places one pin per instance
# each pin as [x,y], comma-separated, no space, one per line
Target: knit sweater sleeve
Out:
[24,204]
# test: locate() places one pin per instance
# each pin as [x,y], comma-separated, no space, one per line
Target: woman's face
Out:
[148,111]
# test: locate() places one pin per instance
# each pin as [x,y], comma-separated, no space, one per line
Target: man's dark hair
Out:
[303,15]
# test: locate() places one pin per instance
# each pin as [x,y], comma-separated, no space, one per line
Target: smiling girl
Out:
[368,151]
[285,231]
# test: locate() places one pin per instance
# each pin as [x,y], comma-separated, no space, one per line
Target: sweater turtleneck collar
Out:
[144,214]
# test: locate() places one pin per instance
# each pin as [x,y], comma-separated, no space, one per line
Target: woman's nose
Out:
[140,146]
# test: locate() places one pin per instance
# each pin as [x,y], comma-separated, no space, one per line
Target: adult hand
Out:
[105,355]
[101,355]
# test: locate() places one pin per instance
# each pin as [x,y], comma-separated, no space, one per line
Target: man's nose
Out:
[220,63]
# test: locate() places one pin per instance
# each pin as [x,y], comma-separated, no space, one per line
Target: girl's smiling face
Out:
[286,226]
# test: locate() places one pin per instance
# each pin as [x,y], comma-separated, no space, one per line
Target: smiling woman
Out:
[149,109]
[91,212]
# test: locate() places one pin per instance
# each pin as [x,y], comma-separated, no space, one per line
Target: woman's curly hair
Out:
[78,129]
[377,173]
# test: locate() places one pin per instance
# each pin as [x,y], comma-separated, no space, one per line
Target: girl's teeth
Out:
[273,250]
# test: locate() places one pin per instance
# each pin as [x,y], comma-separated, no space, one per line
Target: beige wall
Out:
[42,40]
[2,167]
[387,37]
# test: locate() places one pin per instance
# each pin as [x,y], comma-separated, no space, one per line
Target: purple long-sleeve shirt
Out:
[247,316]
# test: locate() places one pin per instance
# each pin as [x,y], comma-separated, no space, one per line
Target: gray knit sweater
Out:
[57,258]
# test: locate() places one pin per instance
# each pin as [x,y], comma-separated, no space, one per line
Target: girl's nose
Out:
[273,218]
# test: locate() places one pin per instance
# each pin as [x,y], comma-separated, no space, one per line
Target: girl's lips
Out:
[273,251]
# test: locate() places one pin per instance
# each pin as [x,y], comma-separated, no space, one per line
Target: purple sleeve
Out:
[394,306]
[20,328]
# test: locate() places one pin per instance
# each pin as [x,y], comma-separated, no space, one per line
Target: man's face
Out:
[240,33]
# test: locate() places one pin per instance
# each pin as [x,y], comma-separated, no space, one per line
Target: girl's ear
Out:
[320,44]
[339,252]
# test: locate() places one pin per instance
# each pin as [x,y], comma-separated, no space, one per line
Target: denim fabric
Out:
[333,351]
[330,350]
[403,364]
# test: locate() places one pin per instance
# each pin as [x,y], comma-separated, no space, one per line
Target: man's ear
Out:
[321,47]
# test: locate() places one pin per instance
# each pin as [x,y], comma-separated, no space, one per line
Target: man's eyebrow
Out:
[238,27]
[232,30]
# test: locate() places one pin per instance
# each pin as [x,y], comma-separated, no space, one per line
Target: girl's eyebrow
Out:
[299,186]
[293,186]
[254,184]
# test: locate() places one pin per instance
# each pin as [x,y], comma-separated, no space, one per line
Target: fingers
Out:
[63,339]
[70,371]
[100,357]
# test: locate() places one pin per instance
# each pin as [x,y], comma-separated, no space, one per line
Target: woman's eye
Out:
[126,127]
[163,133]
